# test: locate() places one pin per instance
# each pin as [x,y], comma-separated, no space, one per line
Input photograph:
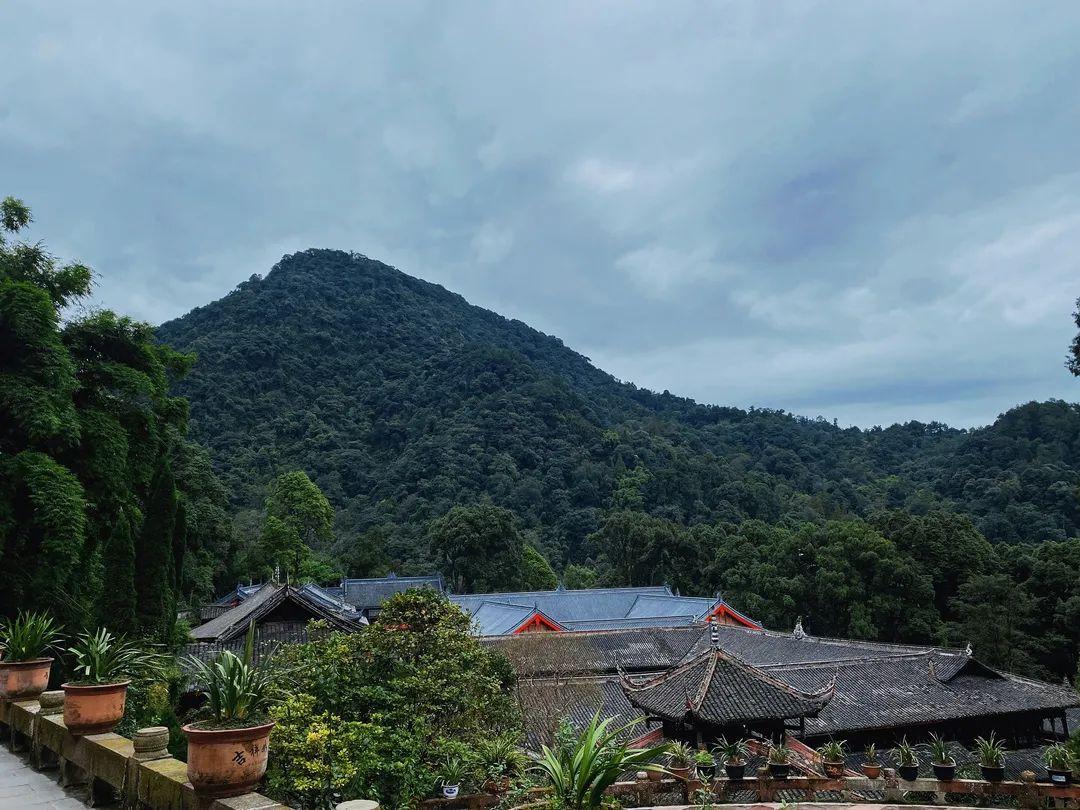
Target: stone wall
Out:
[136,773]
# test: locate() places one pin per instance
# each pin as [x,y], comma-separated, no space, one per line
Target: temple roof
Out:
[602,608]
[718,689]
[310,599]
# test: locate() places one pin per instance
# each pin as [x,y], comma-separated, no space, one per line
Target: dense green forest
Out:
[402,402]
[347,418]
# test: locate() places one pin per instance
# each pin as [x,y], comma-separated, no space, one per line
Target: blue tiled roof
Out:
[587,609]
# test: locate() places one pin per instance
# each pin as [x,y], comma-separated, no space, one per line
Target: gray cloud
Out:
[867,211]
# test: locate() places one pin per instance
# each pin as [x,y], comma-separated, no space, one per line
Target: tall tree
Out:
[156,601]
[42,502]
[1073,361]
[536,572]
[297,502]
[119,609]
[478,548]
[996,616]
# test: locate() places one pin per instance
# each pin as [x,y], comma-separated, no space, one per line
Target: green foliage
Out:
[154,559]
[1058,757]
[1073,361]
[578,774]
[990,750]
[940,754]
[905,753]
[298,520]
[100,657]
[374,714]
[28,636]
[401,401]
[579,576]
[536,573]
[87,425]
[833,751]
[731,752]
[237,691]
[478,548]
[301,505]
[118,600]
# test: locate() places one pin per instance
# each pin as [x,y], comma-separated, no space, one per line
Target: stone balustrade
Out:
[137,773]
[1027,794]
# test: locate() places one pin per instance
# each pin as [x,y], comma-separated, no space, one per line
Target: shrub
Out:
[374,714]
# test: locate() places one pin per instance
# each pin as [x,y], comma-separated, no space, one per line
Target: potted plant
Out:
[1059,762]
[680,758]
[833,753]
[704,765]
[227,752]
[501,761]
[871,766]
[734,755]
[779,764]
[991,757]
[104,667]
[451,774]
[25,642]
[942,759]
[907,760]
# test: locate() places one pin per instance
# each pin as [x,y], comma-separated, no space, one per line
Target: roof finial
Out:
[931,667]
[714,633]
[968,651]
[277,572]
[798,632]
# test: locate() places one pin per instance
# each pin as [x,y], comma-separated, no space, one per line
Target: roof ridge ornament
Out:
[798,632]
[968,651]
[714,633]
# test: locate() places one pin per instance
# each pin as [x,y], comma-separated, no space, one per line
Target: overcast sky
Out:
[859,210]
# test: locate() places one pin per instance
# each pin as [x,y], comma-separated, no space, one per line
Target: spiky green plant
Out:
[1058,757]
[991,751]
[779,755]
[735,752]
[939,751]
[870,754]
[905,753]
[833,751]
[101,657]
[28,636]
[237,691]
[579,774]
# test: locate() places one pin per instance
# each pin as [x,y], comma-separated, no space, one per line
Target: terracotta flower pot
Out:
[226,762]
[680,773]
[93,709]
[24,680]
[833,770]
[871,771]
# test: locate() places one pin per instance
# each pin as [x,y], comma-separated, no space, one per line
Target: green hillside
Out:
[400,399]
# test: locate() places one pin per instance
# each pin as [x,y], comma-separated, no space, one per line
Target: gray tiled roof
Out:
[877,685]
[366,594]
[577,701]
[649,649]
[233,623]
[719,690]
[917,689]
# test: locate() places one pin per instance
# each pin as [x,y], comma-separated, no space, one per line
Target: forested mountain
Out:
[400,400]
